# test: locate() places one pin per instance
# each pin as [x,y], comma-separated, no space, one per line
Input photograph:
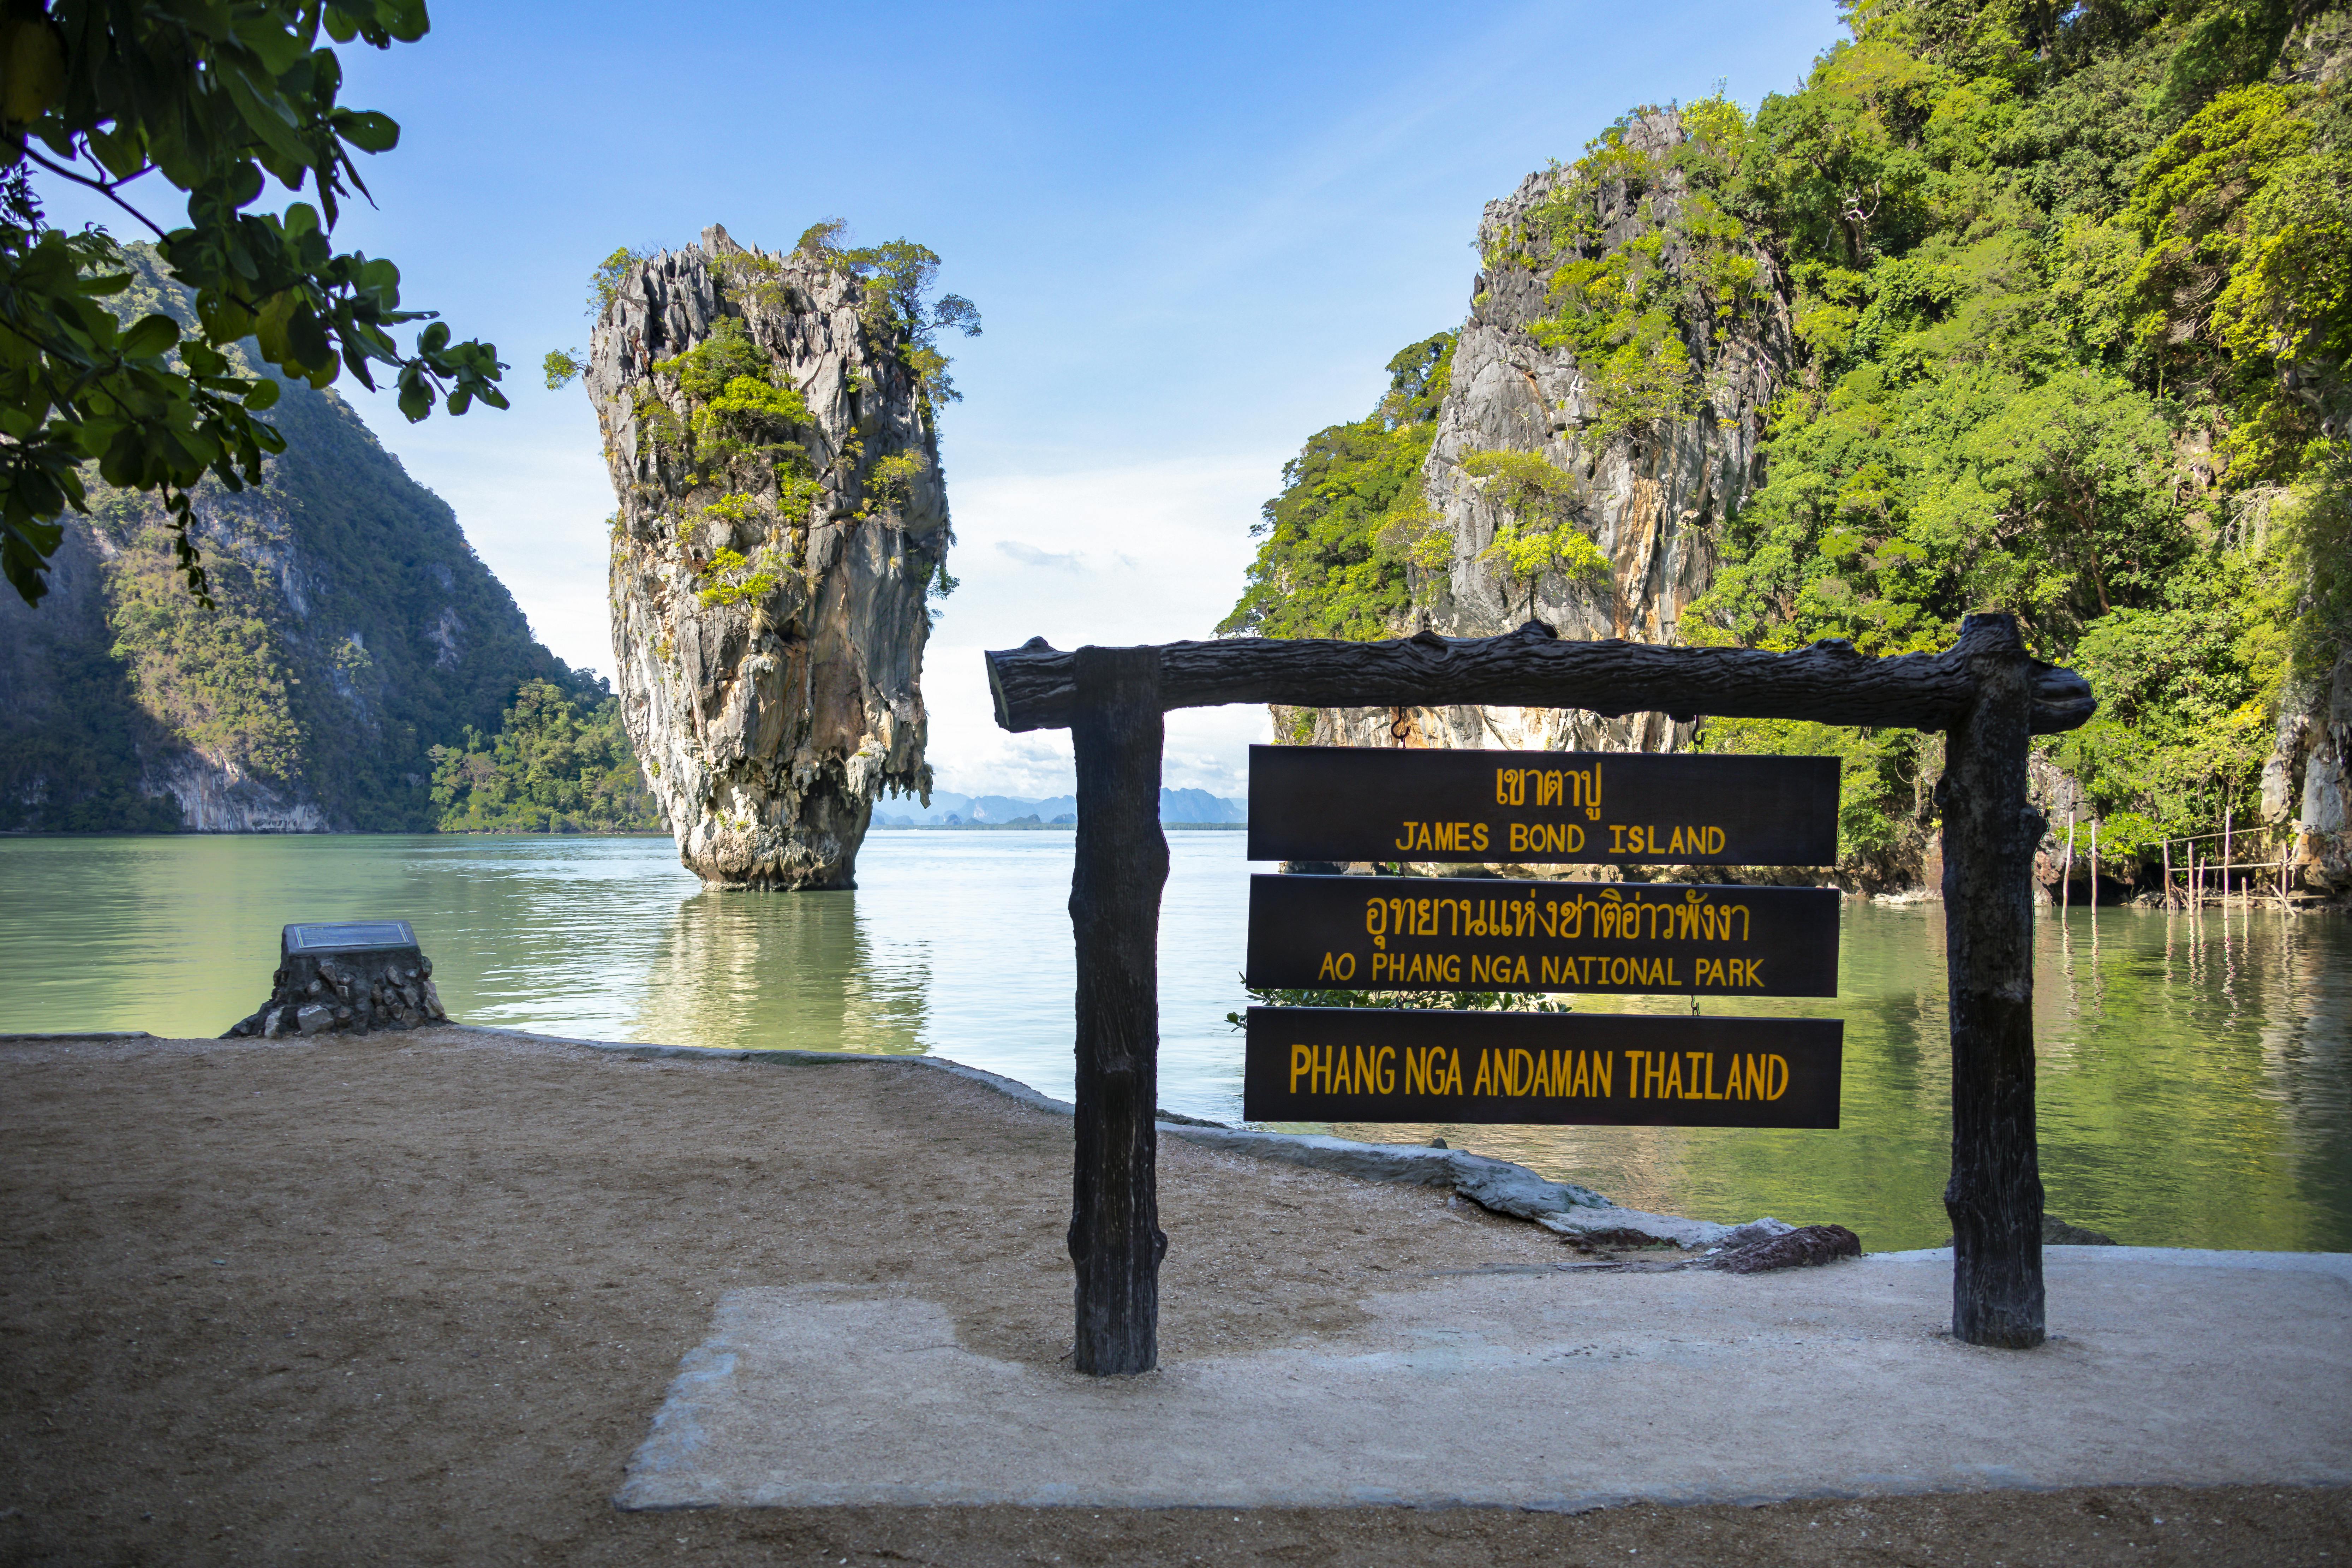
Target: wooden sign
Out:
[1462,933]
[1541,808]
[1612,1069]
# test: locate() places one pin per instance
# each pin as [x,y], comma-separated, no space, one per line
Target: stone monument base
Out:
[350,978]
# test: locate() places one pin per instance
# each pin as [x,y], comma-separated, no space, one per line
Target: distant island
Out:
[1178,808]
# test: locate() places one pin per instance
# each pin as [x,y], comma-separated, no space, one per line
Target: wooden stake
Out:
[1994,1197]
[2229,855]
[2167,873]
[2095,866]
[2066,888]
[1115,1239]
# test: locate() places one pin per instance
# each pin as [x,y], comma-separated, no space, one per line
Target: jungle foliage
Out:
[560,762]
[2073,290]
[1337,544]
[2072,294]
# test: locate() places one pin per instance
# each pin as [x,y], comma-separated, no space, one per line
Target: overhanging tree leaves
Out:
[216,97]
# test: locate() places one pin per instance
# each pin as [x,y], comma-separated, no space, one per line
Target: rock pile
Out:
[348,979]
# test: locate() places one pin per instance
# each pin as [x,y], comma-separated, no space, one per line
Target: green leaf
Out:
[150,336]
[367,130]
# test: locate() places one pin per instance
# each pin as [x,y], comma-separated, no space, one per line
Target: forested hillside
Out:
[355,632]
[557,765]
[2071,292]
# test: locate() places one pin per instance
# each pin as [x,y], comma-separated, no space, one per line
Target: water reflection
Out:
[2192,1090]
[804,971]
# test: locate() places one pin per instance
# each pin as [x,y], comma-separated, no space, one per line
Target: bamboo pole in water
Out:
[2229,857]
[2167,873]
[2095,867]
[2066,886]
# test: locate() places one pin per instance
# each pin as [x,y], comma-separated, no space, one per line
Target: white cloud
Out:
[1030,556]
[1165,544]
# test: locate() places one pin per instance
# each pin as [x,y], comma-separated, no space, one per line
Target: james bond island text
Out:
[1541,808]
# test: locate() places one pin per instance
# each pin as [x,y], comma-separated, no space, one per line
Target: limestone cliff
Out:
[2307,785]
[356,631]
[1643,444]
[781,518]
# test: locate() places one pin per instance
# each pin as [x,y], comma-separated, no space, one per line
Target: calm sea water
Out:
[2195,1087]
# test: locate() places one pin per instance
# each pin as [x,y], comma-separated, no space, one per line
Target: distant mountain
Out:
[949,809]
[357,631]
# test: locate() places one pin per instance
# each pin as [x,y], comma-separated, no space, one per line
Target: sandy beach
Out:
[416,1298]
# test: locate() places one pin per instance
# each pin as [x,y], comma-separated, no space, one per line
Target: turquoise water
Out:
[2195,1086]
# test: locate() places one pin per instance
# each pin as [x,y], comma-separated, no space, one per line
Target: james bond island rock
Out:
[1602,415]
[769,423]
[352,977]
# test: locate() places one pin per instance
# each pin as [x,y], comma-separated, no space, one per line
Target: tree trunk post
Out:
[1115,1239]
[1994,1197]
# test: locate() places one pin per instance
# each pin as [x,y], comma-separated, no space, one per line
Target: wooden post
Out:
[2094,873]
[1994,1197]
[2066,888]
[2167,873]
[1115,1239]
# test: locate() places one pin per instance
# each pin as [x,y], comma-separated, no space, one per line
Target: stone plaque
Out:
[349,936]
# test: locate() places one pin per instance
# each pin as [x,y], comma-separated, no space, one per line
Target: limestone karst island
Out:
[1001,785]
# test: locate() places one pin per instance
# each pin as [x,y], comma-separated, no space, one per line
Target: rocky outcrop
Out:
[2307,782]
[1648,492]
[218,795]
[781,517]
[347,988]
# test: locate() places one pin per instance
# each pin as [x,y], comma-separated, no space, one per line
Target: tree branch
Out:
[104,187]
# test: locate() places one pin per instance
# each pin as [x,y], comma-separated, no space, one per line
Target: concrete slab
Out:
[1554,1390]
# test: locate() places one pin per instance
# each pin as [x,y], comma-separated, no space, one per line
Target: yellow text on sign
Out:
[1519,1073]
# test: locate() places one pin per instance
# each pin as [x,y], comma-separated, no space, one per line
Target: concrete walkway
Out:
[1555,1390]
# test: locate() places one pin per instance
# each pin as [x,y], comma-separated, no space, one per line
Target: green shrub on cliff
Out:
[2071,293]
[1336,554]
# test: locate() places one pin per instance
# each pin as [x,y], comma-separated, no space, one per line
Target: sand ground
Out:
[415,1298]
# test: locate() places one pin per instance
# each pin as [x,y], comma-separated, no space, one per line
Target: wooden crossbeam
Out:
[1036,684]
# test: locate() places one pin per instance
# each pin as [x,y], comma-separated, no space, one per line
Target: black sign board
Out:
[1463,933]
[1615,1069]
[1539,808]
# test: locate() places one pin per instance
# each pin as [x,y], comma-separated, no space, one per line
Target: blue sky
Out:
[1195,235]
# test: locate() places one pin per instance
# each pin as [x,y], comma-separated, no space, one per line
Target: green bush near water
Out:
[551,768]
